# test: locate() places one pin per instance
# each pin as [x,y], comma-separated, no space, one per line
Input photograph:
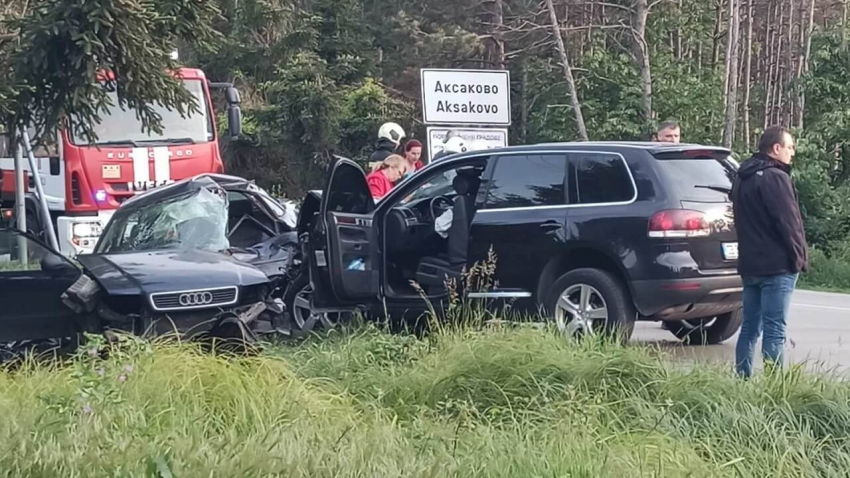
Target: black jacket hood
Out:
[385,145]
[383,149]
[760,162]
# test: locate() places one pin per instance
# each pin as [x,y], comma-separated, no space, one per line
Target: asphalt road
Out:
[818,336]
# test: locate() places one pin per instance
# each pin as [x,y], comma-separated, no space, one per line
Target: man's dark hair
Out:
[668,124]
[772,135]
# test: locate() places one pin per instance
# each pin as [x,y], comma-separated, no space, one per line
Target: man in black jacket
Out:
[389,138]
[772,246]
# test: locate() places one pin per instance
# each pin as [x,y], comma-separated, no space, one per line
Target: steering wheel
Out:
[439,205]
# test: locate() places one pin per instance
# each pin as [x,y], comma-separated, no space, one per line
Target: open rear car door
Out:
[342,248]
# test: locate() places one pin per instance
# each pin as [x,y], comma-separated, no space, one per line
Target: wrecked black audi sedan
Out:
[207,255]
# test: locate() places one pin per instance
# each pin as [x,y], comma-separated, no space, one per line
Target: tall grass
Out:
[471,398]
[491,401]
[828,272]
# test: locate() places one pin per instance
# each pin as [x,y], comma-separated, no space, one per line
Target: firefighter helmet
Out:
[392,132]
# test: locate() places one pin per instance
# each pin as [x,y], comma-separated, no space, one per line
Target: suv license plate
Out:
[730,251]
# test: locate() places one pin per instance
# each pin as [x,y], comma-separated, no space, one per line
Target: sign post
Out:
[465,102]
[20,204]
[466,97]
[487,137]
[47,222]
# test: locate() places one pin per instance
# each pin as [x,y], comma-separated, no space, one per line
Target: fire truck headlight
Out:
[85,234]
[83,230]
[100,195]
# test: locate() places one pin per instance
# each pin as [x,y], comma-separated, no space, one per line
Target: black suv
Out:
[596,235]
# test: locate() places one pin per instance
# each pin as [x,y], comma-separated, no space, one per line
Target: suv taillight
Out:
[679,223]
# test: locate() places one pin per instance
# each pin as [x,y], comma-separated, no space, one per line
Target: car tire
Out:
[711,331]
[605,295]
[302,320]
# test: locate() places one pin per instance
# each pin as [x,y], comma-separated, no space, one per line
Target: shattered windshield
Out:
[194,221]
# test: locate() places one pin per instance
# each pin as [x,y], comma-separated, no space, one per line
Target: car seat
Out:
[433,272]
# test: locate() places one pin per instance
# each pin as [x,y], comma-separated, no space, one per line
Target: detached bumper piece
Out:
[83,296]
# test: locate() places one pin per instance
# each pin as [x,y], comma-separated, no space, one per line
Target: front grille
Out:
[194,299]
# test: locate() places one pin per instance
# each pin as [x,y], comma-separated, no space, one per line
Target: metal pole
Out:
[20,204]
[42,199]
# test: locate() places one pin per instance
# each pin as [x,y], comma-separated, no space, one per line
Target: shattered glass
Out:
[193,221]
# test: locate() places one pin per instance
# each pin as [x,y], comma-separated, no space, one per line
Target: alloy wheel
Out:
[581,310]
[304,317]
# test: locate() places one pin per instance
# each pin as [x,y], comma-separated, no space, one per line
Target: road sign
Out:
[484,137]
[472,97]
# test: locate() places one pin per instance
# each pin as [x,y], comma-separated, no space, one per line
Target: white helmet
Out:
[456,144]
[392,132]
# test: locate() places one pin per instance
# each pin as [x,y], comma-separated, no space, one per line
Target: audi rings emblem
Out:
[195,298]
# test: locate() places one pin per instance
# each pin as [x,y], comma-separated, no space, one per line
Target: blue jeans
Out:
[766,304]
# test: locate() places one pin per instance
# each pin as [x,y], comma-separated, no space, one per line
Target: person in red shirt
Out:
[413,153]
[389,171]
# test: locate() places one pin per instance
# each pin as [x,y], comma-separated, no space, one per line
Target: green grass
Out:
[496,402]
[827,274]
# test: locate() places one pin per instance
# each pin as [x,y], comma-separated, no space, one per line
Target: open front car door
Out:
[343,253]
[32,280]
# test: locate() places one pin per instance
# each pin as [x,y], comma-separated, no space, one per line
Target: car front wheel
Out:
[303,319]
[587,302]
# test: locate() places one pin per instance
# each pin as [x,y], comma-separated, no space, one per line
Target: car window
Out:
[14,247]
[698,179]
[348,191]
[438,185]
[527,181]
[5,149]
[45,147]
[601,178]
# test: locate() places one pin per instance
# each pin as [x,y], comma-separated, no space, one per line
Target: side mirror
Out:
[231,95]
[234,122]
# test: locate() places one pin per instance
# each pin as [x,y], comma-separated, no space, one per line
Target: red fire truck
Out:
[85,182]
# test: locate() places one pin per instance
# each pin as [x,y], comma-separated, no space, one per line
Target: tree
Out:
[718,33]
[49,72]
[803,64]
[568,73]
[640,12]
[748,71]
[732,73]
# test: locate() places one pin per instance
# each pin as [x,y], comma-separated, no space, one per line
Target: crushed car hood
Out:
[144,273]
[187,186]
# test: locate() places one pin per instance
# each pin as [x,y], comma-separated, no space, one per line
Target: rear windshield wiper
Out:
[715,187]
